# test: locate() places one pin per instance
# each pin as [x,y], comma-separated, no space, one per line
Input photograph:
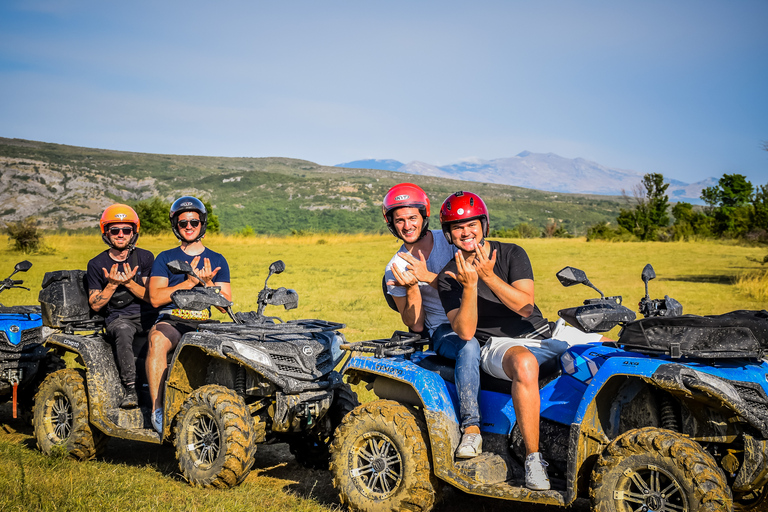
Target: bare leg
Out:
[522,368]
[162,339]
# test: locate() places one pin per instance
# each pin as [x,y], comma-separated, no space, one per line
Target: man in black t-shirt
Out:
[117,284]
[487,292]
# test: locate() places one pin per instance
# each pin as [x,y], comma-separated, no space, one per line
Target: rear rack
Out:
[401,343]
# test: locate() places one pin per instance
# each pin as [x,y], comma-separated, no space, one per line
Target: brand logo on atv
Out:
[14,328]
[388,369]
[402,197]
[121,216]
[307,350]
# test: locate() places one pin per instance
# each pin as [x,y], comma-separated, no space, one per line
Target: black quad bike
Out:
[230,385]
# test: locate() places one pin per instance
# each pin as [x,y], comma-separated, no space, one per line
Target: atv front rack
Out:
[401,343]
[305,326]
[20,310]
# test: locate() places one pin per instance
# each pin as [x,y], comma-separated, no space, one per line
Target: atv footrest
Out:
[486,468]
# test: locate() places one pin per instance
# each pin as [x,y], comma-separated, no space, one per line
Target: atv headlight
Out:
[336,342]
[252,353]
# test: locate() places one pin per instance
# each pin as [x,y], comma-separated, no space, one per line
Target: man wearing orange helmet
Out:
[488,294]
[117,284]
[411,278]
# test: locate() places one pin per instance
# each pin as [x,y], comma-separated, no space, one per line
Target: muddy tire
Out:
[380,460]
[61,417]
[312,449]
[214,438]
[755,501]
[660,470]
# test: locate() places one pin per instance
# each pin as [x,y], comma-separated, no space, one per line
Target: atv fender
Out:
[104,387]
[407,383]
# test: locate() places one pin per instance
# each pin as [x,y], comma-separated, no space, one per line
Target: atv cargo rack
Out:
[401,343]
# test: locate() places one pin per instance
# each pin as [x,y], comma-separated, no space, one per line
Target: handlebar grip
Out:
[16,282]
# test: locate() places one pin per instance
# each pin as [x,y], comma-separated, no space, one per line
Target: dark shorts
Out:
[180,324]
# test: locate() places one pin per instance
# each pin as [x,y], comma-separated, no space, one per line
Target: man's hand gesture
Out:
[484,265]
[404,278]
[206,274]
[467,274]
[117,278]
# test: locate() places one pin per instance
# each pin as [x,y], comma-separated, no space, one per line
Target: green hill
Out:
[68,187]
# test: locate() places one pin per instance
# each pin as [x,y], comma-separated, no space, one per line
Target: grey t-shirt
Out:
[442,253]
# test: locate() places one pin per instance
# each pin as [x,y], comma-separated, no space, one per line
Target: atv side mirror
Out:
[570,276]
[23,266]
[277,267]
[647,275]
[180,267]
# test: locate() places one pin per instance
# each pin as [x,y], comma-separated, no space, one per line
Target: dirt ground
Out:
[272,461]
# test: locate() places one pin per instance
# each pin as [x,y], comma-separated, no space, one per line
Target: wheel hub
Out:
[379,465]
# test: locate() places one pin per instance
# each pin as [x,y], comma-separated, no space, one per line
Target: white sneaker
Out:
[157,420]
[536,472]
[471,446]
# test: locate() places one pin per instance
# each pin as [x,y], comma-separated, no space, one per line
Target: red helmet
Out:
[460,207]
[123,214]
[405,195]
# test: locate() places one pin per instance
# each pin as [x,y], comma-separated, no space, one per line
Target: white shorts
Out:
[563,337]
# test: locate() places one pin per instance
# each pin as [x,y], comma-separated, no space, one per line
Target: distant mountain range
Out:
[541,171]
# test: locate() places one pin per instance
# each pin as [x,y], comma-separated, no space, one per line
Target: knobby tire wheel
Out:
[659,470]
[755,501]
[380,460]
[312,449]
[214,438]
[61,417]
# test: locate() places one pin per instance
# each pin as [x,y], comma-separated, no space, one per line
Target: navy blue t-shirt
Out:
[160,268]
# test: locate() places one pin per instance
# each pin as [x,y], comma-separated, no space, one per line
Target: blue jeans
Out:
[467,376]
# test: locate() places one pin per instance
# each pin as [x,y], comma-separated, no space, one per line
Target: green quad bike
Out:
[230,385]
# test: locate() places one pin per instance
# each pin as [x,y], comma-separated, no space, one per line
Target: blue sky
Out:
[676,87]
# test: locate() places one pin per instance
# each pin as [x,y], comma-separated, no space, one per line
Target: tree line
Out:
[735,209]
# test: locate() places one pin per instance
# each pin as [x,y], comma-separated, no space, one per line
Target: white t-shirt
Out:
[442,253]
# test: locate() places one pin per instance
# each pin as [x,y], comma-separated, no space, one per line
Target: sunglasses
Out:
[117,231]
[194,223]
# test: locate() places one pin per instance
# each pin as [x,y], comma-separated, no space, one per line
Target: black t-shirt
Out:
[493,317]
[97,281]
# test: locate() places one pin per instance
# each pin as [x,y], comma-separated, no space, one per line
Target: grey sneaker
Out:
[157,420]
[471,446]
[536,472]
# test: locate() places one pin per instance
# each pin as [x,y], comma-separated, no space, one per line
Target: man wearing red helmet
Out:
[488,293]
[411,278]
[117,284]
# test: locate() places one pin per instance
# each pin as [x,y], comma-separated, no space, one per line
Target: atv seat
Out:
[445,367]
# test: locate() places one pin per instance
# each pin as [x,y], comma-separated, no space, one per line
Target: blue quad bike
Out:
[672,417]
[21,350]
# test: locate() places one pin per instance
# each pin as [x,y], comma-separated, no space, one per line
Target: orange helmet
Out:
[120,213]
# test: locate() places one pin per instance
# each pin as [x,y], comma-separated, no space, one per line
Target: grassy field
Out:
[338,277]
